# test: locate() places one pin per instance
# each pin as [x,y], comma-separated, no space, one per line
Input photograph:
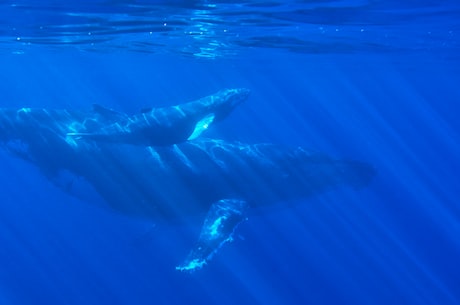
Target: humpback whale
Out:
[169,125]
[213,181]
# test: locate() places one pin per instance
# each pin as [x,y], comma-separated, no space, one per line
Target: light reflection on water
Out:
[221,28]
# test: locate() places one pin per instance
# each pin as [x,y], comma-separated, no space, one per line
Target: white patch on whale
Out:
[201,126]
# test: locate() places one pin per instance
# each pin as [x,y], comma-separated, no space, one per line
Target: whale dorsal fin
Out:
[147,109]
[107,112]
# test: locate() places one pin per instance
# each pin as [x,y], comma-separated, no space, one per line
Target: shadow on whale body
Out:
[214,180]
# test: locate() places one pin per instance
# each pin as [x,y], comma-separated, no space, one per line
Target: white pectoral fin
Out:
[218,227]
[79,135]
[76,134]
[201,126]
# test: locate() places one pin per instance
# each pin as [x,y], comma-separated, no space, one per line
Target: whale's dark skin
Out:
[210,179]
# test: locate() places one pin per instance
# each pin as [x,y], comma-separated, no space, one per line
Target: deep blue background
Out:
[394,242]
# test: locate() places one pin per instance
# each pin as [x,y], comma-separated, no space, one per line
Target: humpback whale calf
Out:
[169,125]
[212,181]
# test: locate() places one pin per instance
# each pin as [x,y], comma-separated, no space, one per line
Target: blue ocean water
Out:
[375,81]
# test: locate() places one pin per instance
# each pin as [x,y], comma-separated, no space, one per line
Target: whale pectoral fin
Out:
[220,223]
[201,126]
[79,135]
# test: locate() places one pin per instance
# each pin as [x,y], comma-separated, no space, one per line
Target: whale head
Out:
[228,100]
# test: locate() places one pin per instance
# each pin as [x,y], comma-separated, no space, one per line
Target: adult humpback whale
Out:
[210,179]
